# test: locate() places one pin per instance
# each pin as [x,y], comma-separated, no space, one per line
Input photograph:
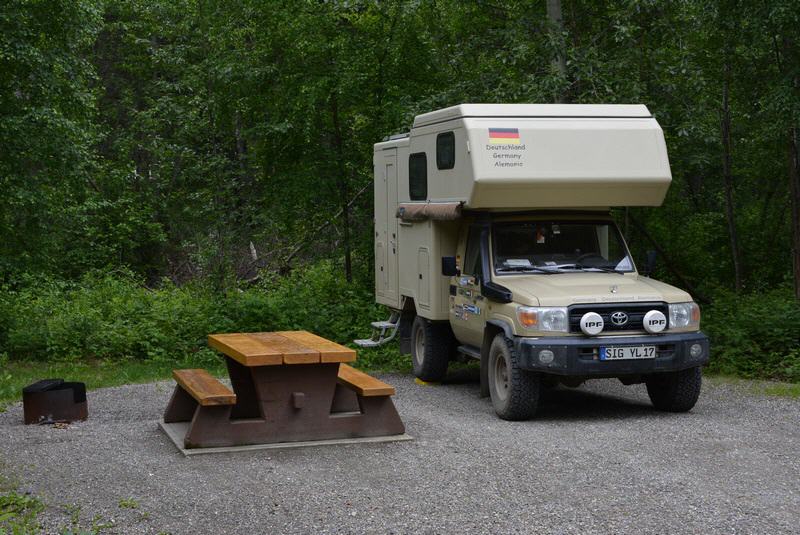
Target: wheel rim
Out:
[419,344]
[501,377]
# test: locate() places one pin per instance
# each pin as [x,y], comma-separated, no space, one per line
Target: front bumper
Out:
[579,356]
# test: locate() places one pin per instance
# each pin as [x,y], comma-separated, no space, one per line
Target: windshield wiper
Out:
[527,268]
[582,267]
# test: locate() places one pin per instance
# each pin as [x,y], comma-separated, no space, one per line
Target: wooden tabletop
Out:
[282,347]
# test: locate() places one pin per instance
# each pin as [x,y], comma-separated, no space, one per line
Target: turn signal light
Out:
[527,317]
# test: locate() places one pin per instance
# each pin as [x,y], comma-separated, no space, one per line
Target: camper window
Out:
[418,176]
[446,150]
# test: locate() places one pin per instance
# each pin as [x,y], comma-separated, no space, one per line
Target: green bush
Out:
[756,335]
[318,299]
[110,315]
[113,316]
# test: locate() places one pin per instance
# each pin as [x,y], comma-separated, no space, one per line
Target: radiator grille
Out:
[634,311]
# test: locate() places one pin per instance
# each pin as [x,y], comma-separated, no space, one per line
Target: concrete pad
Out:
[177,431]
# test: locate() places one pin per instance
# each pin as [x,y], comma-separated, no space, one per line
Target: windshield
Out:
[559,247]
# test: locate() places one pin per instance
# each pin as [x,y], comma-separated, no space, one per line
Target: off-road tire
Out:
[431,355]
[518,399]
[675,391]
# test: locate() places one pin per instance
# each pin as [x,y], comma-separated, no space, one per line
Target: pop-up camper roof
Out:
[533,111]
[522,156]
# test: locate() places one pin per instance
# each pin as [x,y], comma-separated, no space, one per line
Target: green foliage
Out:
[46,125]
[156,153]
[109,316]
[167,136]
[18,513]
[17,374]
[318,299]
[113,316]
[755,335]
[128,503]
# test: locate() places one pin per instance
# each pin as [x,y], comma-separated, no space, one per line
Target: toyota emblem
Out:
[619,318]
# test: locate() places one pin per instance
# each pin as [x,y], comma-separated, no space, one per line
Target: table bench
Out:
[287,386]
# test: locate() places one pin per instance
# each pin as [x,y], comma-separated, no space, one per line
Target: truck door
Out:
[467,309]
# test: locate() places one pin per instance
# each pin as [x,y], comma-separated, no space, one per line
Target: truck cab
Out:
[495,241]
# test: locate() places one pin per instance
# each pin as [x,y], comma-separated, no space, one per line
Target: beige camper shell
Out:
[565,156]
[466,173]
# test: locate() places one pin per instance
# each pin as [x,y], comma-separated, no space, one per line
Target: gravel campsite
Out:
[598,459]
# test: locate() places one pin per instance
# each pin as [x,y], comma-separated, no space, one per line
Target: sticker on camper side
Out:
[506,147]
[472,309]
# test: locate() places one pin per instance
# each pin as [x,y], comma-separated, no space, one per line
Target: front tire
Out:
[676,391]
[514,391]
[431,346]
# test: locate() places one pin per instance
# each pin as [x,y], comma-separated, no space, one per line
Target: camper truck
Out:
[494,241]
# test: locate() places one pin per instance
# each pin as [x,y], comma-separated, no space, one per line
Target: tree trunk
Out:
[556,19]
[728,178]
[794,188]
[342,184]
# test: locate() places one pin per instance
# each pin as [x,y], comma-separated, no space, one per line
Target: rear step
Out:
[382,332]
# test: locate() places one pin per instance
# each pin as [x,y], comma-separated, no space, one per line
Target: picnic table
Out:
[288,386]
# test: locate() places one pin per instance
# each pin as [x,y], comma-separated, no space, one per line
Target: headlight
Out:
[543,318]
[684,315]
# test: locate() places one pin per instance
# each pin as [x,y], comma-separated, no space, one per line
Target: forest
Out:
[172,168]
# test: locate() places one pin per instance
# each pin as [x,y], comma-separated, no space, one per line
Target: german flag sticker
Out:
[504,136]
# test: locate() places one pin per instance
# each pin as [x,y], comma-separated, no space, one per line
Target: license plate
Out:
[627,352]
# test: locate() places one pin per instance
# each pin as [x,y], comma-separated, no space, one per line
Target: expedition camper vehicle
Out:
[494,241]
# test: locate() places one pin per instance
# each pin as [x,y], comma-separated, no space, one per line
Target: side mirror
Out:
[649,263]
[449,268]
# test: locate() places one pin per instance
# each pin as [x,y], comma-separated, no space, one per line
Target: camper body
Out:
[494,241]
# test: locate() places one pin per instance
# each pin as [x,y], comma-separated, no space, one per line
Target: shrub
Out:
[318,299]
[756,335]
[112,315]
[108,316]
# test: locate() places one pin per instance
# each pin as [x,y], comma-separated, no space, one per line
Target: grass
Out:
[758,387]
[14,375]
[96,374]
[18,513]
[784,390]
[99,374]
[128,503]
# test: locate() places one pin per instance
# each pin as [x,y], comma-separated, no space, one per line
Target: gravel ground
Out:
[597,460]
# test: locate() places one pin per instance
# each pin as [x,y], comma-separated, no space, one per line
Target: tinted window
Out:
[418,176]
[445,150]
